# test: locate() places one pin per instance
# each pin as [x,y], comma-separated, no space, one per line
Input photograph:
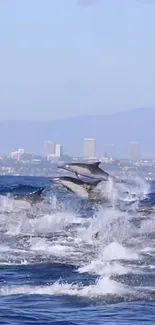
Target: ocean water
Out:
[53,270]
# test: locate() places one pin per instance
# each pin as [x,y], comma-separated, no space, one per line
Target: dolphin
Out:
[33,197]
[75,185]
[89,170]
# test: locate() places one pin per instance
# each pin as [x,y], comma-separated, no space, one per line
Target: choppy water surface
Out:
[54,271]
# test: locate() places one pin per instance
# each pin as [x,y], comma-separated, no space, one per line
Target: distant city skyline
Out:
[112,133]
[28,164]
[53,150]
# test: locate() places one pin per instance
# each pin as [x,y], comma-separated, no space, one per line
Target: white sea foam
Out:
[30,234]
[103,286]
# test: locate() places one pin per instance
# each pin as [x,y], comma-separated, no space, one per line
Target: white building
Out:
[17,154]
[20,152]
[58,150]
[14,155]
[89,148]
[49,148]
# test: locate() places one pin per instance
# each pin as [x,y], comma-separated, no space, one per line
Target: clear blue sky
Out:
[61,58]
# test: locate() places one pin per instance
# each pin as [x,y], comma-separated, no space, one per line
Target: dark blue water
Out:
[54,271]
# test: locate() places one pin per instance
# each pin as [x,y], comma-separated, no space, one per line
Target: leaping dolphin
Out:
[75,185]
[89,170]
[33,197]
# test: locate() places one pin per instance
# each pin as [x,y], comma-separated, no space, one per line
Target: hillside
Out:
[119,129]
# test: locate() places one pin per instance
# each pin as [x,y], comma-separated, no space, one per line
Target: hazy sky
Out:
[61,58]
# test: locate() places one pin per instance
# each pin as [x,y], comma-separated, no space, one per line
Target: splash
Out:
[102,287]
[64,232]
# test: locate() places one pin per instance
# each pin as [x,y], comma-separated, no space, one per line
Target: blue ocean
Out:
[54,270]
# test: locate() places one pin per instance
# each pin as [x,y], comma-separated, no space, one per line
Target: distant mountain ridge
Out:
[118,129]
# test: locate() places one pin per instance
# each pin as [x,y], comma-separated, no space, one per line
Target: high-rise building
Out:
[135,151]
[58,150]
[17,154]
[49,148]
[14,155]
[89,148]
[20,152]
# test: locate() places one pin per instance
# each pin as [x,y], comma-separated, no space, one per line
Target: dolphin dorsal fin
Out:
[97,163]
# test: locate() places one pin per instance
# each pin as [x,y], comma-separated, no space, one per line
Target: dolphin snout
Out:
[56,180]
[64,166]
[60,167]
